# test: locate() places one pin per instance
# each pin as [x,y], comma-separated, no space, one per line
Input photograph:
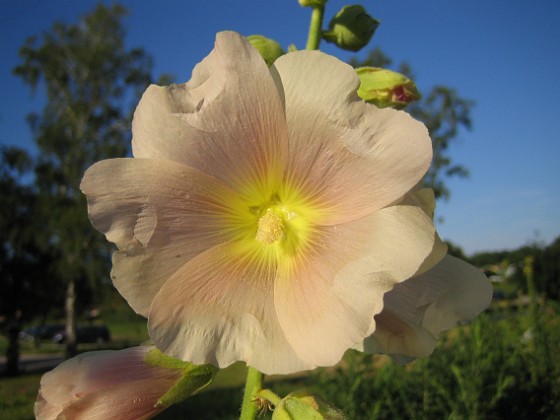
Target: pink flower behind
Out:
[416,311]
[105,385]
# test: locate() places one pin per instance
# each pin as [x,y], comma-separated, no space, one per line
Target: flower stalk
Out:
[269,396]
[253,385]
[315,28]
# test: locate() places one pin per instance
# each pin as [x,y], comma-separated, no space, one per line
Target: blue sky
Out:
[504,54]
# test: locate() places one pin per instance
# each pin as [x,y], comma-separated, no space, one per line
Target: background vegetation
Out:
[505,364]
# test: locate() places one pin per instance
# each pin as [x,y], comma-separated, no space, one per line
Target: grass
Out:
[504,365]
[17,396]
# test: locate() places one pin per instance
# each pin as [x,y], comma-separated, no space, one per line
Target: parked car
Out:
[41,332]
[86,334]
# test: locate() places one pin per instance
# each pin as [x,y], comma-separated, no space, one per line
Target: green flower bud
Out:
[300,405]
[351,28]
[194,378]
[268,48]
[386,88]
[312,3]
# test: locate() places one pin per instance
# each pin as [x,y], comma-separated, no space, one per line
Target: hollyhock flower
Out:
[262,217]
[416,311]
[108,385]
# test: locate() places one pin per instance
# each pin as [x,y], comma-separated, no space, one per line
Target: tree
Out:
[91,80]
[547,270]
[443,112]
[24,263]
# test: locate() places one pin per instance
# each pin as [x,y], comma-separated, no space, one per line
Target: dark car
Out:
[41,332]
[86,334]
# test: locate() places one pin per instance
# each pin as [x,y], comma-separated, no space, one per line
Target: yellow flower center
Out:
[270,227]
[271,221]
[282,227]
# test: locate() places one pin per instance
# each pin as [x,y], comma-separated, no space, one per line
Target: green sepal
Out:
[292,48]
[301,405]
[194,378]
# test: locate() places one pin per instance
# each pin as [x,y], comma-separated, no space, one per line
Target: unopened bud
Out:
[386,88]
[300,405]
[351,28]
[268,48]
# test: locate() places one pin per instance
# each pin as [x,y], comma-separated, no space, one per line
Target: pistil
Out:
[270,227]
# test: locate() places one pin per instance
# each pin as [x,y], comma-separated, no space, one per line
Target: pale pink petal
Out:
[228,120]
[347,155]
[326,298]
[219,308]
[135,401]
[159,214]
[424,198]
[417,310]
[215,154]
[44,410]
[104,385]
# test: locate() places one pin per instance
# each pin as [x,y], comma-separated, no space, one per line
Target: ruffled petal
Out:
[326,298]
[219,308]
[416,311]
[159,214]
[227,121]
[349,156]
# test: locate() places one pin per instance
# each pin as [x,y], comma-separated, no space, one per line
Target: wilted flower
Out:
[262,218]
[124,384]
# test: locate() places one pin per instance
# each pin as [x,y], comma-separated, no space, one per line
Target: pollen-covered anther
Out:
[270,227]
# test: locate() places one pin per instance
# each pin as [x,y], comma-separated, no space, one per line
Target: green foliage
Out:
[455,250]
[24,264]
[495,368]
[444,112]
[547,270]
[546,267]
[481,371]
[17,396]
[89,76]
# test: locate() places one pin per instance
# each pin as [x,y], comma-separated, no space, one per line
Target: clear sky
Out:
[504,54]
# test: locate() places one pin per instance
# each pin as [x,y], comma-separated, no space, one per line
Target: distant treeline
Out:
[545,262]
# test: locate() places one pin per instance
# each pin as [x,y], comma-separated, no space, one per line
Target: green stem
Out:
[271,397]
[252,386]
[315,28]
